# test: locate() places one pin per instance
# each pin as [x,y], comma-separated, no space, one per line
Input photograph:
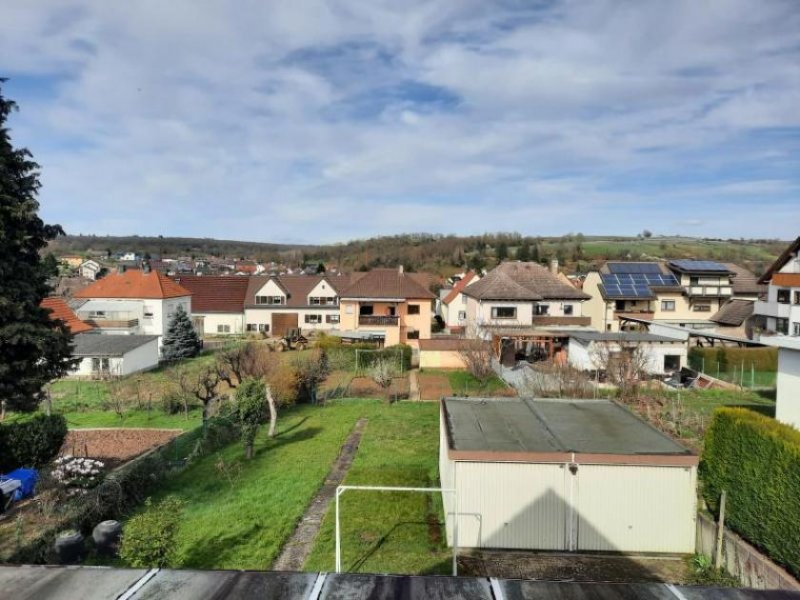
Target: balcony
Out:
[545,320]
[113,323]
[774,309]
[378,320]
[710,291]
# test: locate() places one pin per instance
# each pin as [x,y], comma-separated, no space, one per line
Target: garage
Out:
[563,475]
[283,322]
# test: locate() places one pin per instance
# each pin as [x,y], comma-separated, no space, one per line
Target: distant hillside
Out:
[443,254]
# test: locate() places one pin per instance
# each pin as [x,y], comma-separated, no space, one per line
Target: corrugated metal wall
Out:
[545,507]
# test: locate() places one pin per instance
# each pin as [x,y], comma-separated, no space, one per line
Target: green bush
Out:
[32,443]
[761,359]
[757,461]
[149,539]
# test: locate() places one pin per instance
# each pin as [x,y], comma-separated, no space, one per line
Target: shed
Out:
[114,355]
[589,350]
[563,475]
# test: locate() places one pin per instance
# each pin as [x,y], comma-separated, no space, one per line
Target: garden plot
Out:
[117,445]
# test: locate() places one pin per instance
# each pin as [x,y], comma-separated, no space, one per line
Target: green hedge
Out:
[761,359]
[757,461]
[32,443]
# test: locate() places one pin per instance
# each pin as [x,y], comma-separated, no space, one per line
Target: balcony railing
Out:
[113,323]
[379,320]
[710,290]
[544,320]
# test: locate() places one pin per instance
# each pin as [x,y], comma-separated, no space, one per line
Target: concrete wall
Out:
[742,560]
[441,359]
[787,409]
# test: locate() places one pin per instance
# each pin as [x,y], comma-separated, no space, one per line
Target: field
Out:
[435,383]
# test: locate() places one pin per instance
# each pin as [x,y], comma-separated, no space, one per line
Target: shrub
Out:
[31,443]
[755,459]
[149,539]
[78,473]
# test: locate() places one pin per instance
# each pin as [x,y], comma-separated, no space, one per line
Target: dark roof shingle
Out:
[734,312]
[387,283]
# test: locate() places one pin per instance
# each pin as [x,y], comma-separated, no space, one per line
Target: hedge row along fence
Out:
[757,461]
[128,486]
[32,443]
[761,359]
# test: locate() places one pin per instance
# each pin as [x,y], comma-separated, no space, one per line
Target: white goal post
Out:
[381,488]
[398,357]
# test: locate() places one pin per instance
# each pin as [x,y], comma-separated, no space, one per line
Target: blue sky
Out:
[315,121]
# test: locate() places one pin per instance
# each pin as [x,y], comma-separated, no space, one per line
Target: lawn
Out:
[240,519]
[704,402]
[390,532]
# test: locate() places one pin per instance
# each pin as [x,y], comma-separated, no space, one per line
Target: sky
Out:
[312,121]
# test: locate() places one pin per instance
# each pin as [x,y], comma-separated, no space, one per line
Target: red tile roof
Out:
[459,285]
[134,284]
[220,294]
[60,310]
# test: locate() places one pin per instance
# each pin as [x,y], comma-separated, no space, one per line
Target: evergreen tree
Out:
[534,253]
[502,252]
[524,253]
[33,349]
[321,268]
[181,339]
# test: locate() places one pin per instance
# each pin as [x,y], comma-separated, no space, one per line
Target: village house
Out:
[274,305]
[217,303]
[89,269]
[389,305]
[134,302]
[453,303]
[779,312]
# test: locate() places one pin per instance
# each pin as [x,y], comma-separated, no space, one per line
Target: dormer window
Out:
[269,300]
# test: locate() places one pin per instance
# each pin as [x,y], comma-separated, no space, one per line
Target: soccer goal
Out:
[365,358]
[380,488]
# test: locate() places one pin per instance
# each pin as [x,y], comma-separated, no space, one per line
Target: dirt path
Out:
[297,548]
[413,385]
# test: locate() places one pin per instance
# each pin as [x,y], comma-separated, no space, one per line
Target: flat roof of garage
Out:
[527,425]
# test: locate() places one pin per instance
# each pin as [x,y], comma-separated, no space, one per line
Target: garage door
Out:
[635,509]
[517,505]
[281,323]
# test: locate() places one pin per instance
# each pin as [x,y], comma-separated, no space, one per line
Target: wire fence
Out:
[745,374]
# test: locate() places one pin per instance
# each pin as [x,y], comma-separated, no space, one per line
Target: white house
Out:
[453,303]
[276,304]
[523,295]
[89,269]
[787,400]
[134,302]
[217,303]
[780,312]
[104,356]
[659,355]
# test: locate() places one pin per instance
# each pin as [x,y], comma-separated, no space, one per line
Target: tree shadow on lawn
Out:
[291,427]
[369,553]
[215,551]
[282,440]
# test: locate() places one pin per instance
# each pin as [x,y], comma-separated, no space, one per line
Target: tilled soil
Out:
[433,386]
[115,445]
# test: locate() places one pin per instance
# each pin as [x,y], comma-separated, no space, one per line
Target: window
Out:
[412,335]
[668,305]
[619,305]
[504,312]
[568,310]
[413,309]
[797,297]
[782,326]
[252,327]
[701,308]
[332,319]
[795,328]
[542,309]
[314,319]
[321,300]
[783,296]
[462,315]
[148,315]
[223,328]
[263,327]
[366,310]
[694,281]
[269,299]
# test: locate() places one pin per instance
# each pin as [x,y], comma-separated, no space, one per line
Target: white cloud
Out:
[326,120]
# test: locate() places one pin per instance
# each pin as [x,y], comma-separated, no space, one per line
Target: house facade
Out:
[217,303]
[133,302]
[89,269]
[522,294]
[779,313]
[688,293]
[387,303]
[453,303]
[787,384]
[275,304]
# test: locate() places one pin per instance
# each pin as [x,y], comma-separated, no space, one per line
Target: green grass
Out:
[463,383]
[156,419]
[703,402]
[243,524]
[390,532]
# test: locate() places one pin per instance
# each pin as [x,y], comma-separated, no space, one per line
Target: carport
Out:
[564,475]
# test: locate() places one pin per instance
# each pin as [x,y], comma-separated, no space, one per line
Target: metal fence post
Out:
[338,535]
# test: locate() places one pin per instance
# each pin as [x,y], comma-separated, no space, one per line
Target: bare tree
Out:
[625,365]
[477,356]
[204,385]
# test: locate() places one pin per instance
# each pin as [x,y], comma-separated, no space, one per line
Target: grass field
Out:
[703,402]
[242,522]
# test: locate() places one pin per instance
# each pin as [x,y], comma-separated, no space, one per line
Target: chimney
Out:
[400,270]
[554,266]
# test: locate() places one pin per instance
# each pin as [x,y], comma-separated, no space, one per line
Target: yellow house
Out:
[387,303]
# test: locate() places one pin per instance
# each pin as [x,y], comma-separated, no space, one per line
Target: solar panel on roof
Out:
[699,265]
[640,268]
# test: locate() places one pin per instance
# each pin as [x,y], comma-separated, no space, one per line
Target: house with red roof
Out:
[217,302]
[453,303]
[132,302]
[61,311]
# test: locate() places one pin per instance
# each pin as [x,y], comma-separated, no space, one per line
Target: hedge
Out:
[757,461]
[32,443]
[761,359]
